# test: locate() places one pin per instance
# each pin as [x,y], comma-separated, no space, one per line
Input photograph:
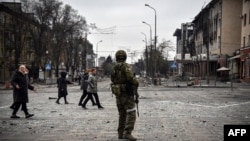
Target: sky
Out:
[123,18]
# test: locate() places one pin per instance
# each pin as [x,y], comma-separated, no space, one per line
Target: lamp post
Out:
[155,33]
[150,31]
[97,52]
[46,61]
[151,52]
[146,52]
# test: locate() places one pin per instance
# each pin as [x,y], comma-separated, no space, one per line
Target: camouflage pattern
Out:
[125,102]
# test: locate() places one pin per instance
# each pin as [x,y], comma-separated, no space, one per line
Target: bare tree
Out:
[40,26]
[58,27]
[162,56]
[66,24]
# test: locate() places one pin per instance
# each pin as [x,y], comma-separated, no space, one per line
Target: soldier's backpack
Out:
[116,79]
[119,81]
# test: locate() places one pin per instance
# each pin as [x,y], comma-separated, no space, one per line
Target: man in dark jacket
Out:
[92,90]
[84,86]
[20,87]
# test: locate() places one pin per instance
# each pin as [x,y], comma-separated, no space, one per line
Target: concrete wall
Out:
[231,26]
[245,28]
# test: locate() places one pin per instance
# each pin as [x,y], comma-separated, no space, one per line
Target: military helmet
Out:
[120,55]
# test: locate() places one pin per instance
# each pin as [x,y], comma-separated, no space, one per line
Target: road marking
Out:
[4,107]
[208,106]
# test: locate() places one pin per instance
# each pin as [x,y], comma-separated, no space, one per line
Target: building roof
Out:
[177,32]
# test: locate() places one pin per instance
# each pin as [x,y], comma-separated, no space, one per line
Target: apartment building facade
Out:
[15,42]
[216,37]
[244,61]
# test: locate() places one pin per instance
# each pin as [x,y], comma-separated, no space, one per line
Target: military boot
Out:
[129,137]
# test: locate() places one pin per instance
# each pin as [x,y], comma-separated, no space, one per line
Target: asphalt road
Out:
[166,113]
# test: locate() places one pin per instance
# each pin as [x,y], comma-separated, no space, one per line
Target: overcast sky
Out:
[125,18]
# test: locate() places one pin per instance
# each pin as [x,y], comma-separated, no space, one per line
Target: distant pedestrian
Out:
[84,86]
[62,88]
[92,89]
[79,79]
[124,85]
[20,87]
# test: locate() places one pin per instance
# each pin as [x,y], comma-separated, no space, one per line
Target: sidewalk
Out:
[203,84]
[164,82]
[43,85]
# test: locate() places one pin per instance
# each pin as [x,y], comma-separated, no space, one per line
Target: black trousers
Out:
[90,95]
[84,94]
[17,106]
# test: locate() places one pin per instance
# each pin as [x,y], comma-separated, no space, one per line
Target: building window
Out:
[219,42]
[248,71]
[249,17]
[1,36]
[248,42]
[244,41]
[1,52]
[248,63]
[245,19]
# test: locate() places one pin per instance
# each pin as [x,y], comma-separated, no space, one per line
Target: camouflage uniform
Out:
[126,100]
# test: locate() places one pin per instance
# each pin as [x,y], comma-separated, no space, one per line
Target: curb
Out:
[179,86]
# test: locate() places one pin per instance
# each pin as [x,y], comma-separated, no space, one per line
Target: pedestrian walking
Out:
[123,86]
[84,86]
[79,79]
[27,78]
[62,88]
[20,88]
[92,90]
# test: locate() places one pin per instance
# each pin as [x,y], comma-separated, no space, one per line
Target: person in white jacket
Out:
[92,90]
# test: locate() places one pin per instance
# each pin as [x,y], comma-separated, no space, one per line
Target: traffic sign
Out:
[173,65]
[47,66]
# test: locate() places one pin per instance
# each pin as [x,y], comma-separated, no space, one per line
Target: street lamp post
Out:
[97,52]
[150,31]
[45,70]
[151,52]
[146,52]
[155,33]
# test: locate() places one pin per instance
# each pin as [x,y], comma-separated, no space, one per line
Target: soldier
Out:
[123,82]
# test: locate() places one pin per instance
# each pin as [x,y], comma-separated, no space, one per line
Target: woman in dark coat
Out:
[20,88]
[62,87]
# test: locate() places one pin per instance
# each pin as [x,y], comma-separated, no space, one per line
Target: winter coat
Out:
[92,84]
[84,83]
[62,87]
[21,93]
